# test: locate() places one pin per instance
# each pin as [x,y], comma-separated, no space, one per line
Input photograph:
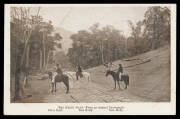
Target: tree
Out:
[32,42]
[157,26]
[46,30]
[22,24]
[150,33]
[96,46]
[52,42]
[136,35]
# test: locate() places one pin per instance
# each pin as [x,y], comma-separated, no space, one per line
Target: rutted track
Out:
[148,82]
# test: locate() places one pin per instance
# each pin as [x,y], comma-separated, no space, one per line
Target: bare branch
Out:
[38,11]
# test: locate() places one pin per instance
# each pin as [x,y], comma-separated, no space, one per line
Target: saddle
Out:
[62,76]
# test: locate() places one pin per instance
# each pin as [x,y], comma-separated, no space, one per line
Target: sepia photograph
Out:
[88,54]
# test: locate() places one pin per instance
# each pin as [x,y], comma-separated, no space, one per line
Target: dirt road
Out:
[83,91]
[149,82]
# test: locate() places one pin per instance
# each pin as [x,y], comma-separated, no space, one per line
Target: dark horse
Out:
[63,78]
[115,76]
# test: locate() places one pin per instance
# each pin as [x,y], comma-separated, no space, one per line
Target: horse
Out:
[72,77]
[57,78]
[85,75]
[71,74]
[108,65]
[115,76]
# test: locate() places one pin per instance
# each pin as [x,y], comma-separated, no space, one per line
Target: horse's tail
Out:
[67,85]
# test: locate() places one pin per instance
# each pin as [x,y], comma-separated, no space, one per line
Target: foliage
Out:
[150,33]
[31,31]
[96,46]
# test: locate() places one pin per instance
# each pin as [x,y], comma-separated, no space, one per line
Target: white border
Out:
[130,108]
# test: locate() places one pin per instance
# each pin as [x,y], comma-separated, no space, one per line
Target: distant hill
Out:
[66,41]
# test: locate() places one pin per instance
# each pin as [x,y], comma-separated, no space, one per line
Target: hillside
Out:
[149,82]
[66,41]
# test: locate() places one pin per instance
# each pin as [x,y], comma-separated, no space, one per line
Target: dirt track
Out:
[83,91]
[149,82]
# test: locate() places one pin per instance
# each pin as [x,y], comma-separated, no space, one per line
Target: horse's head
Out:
[108,72]
[50,75]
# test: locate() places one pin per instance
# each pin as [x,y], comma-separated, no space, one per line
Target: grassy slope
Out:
[150,80]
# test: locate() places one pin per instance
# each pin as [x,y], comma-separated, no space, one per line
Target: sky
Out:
[80,18]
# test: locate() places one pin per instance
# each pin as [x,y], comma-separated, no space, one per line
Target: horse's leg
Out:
[55,86]
[77,76]
[119,85]
[125,84]
[115,84]
[66,83]
[52,87]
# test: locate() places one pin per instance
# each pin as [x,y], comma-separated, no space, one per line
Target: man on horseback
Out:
[79,72]
[59,77]
[120,71]
[58,70]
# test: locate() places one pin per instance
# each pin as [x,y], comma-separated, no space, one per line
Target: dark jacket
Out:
[79,69]
[120,70]
[59,71]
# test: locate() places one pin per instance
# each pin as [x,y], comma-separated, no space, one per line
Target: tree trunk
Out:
[47,60]
[17,78]
[44,57]
[26,67]
[25,47]
[17,84]
[27,56]
[40,60]
[102,54]
[44,52]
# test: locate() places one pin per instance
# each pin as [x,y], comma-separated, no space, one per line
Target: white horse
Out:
[86,75]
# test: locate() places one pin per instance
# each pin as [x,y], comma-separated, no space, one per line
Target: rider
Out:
[120,71]
[110,64]
[58,70]
[80,70]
